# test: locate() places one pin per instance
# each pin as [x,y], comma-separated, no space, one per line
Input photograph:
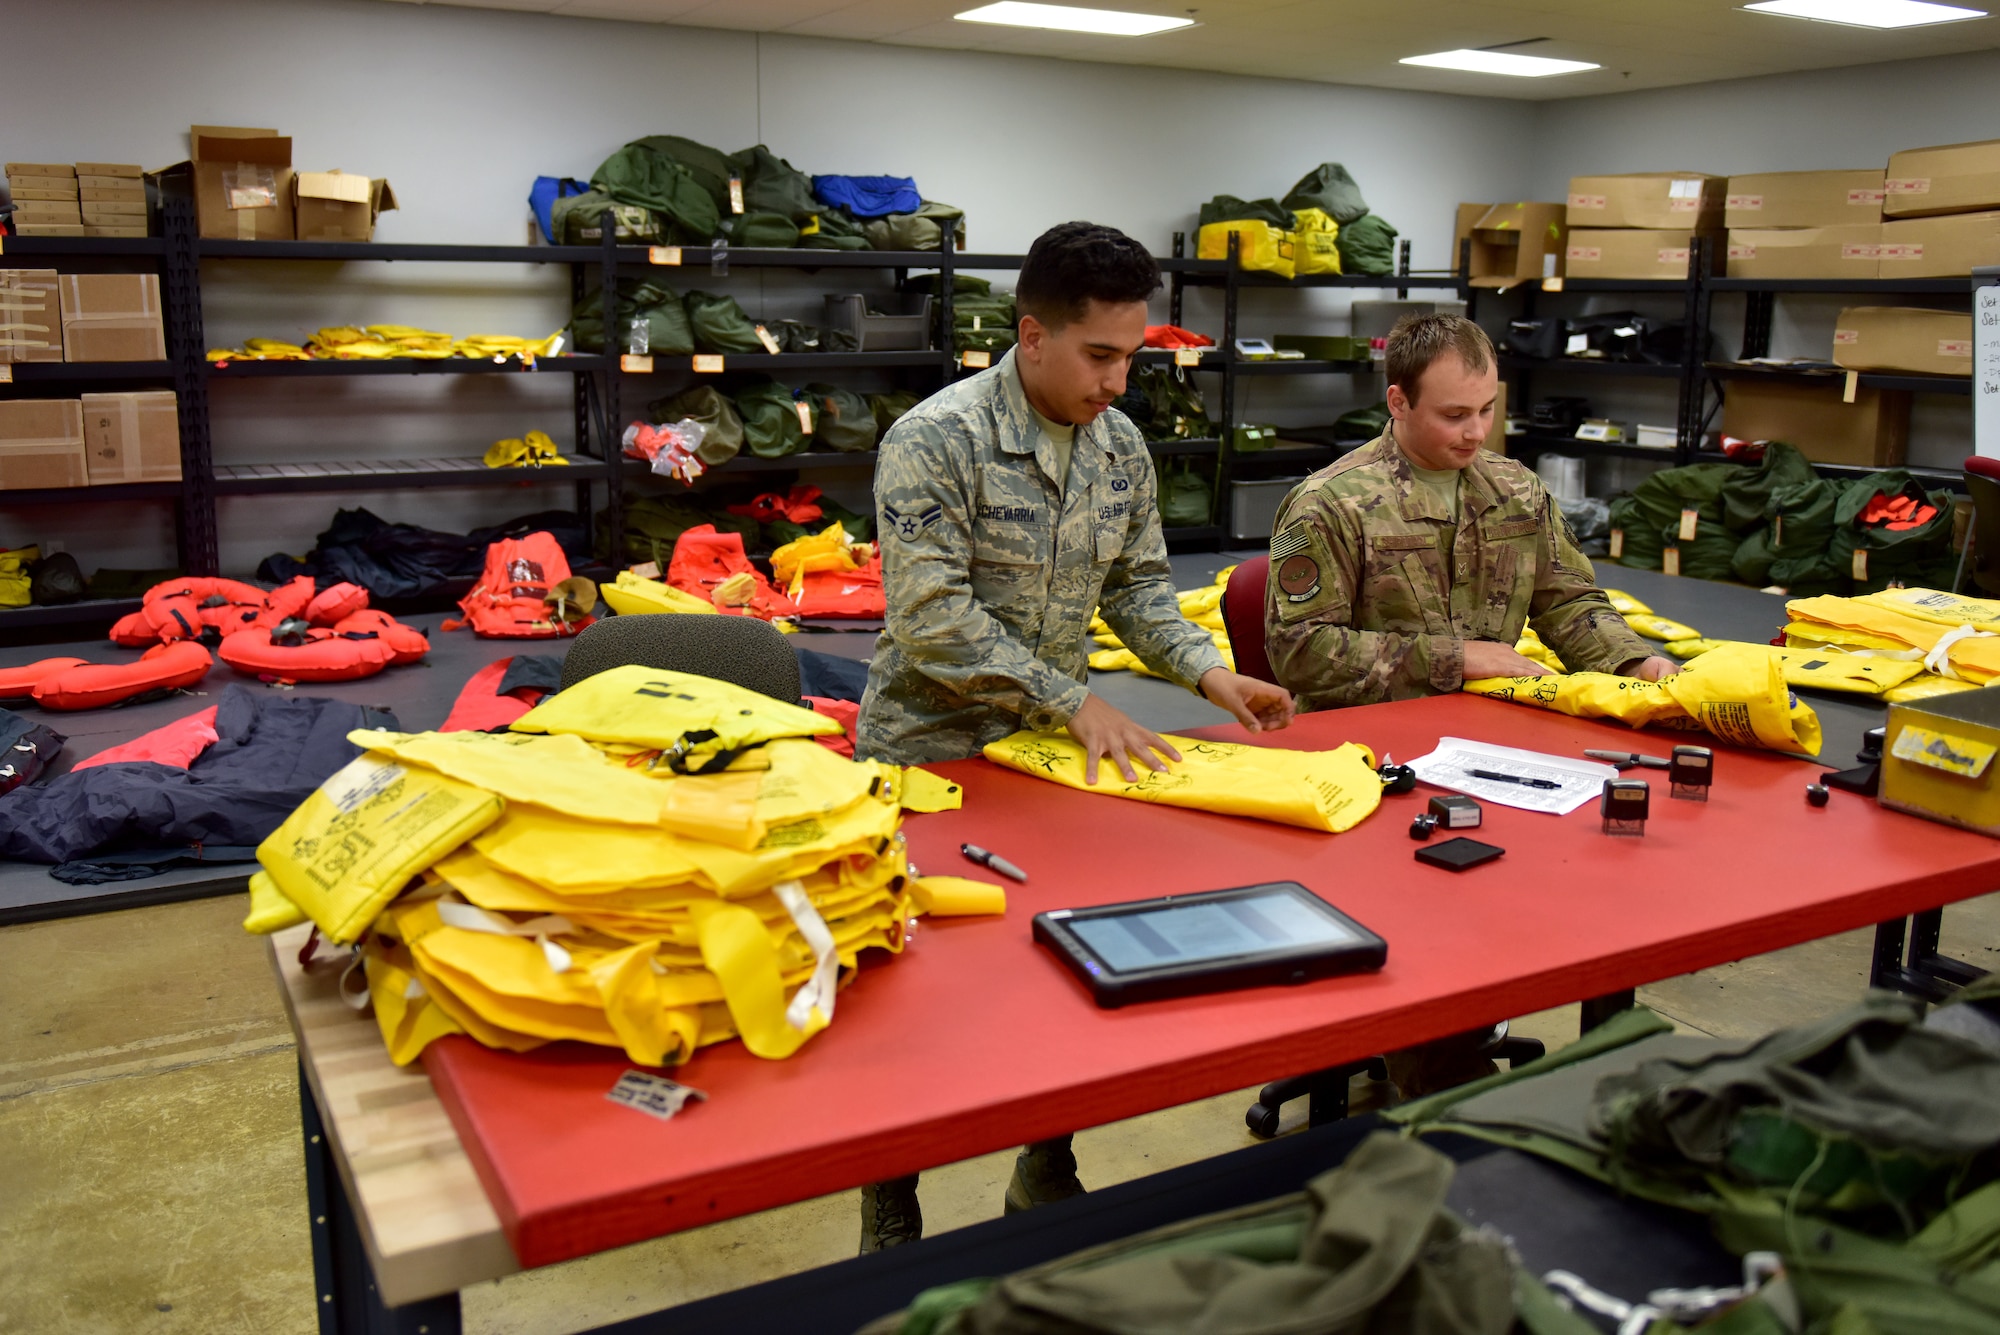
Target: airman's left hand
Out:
[1258,705]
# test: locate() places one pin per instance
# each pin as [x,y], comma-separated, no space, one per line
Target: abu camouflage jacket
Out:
[1361,607]
[992,571]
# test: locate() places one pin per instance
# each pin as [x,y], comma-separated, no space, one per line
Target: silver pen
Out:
[994,861]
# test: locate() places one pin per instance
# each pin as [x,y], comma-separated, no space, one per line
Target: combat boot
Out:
[1044,1172]
[890,1214]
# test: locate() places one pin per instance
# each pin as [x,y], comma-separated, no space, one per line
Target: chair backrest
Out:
[1982,557]
[1243,617]
[742,650]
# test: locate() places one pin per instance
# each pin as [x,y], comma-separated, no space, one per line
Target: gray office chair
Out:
[742,650]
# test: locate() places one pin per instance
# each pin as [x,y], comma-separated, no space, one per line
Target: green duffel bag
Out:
[650,309]
[1653,510]
[1876,555]
[654,523]
[1165,405]
[764,231]
[890,406]
[1228,208]
[1791,550]
[993,341]
[962,285]
[720,325]
[1330,188]
[771,427]
[578,221]
[641,176]
[859,527]
[835,229]
[706,405]
[773,185]
[1187,499]
[1746,496]
[708,166]
[1710,554]
[1367,245]
[842,419]
[922,230]
[1363,424]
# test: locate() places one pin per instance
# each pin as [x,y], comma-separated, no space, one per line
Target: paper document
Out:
[1577,781]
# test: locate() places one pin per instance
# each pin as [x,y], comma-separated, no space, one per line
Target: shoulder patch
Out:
[1295,539]
[1299,577]
[907,524]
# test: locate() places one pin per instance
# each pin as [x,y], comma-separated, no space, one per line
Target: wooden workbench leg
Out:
[1596,1010]
[343,1281]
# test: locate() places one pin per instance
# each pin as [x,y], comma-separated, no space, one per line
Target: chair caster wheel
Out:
[1262,1121]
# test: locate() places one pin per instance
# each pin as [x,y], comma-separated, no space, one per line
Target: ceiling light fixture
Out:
[1499,62]
[1867,13]
[1070,18]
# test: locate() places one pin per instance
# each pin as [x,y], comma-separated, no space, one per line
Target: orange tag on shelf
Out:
[1670,561]
[805,415]
[736,194]
[708,363]
[1858,567]
[1552,285]
[977,358]
[1617,543]
[764,337]
[663,254]
[639,363]
[1689,518]
[1187,356]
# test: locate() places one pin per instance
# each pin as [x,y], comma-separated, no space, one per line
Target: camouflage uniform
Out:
[992,571]
[1361,606]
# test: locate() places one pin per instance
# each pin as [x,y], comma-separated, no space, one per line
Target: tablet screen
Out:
[1192,933]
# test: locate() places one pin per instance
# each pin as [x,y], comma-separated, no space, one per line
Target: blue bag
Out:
[542,199]
[869,196]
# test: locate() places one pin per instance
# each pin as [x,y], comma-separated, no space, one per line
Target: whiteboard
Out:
[1986,370]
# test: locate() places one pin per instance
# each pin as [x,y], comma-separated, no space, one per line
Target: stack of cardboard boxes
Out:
[245,190]
[1805,224]
[45,199]
[97,440]
[113,195]
[1639,226]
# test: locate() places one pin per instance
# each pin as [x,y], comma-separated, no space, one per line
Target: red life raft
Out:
[161,669]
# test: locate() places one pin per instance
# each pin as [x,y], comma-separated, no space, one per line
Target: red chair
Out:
[1981,557]
[1243,618]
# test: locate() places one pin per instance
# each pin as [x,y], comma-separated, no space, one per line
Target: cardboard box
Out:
[40,169]
[1518,243]
[1628,253]
[116,210]
[48,229]
[129,170]
[1951,178]
[99,229]
[30,316]
[21,193]
[336,206]
[1853,251]
[1938,755]
[132,437]
[1461,230]
[1803,199]
[41,444]
[242,183]
[1652,200]
[1903,338]
[1874,430]
[112,317]
[135,194]
[48,211]
[1950,246]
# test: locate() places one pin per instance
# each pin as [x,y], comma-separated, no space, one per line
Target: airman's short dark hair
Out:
[1419,340]
[1075,263]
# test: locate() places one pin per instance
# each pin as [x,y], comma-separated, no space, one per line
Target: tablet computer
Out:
[1183,945]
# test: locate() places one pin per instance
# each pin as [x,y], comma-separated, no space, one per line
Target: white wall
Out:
[462,108]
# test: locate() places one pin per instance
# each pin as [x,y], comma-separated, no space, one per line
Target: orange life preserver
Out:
[704,560]
[406,644]
[511,600]
[844,593]
[183,609]
[330,605]
[163,668]
[324,655]
[19,683]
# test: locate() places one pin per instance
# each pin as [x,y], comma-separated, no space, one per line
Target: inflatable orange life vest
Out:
[182,609]
[705,560]
[406,644]
[330,605]
[19,683]
[481,707]
[854,594]
[161,669]
[515,598]
[320,653]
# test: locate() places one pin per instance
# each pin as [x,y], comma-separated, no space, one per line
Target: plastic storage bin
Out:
[908,328]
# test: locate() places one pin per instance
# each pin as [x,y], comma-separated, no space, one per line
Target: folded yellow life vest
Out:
[1316,790]
[531,451]
[1693,647]
[831,549]
[924,791]
[1959,636]
[692,719]
[1530,647]
[630,594]
[1624,603]
[1818,666]
[1927,686]
[1659,627]
[557,771]
[365,834]
[1736,691]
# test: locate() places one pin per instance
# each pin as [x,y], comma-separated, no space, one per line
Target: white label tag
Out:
[975,324]
[1617,543]
[1913,185]
[1955,347]
[1866,196]
[1674,255]
[1908,250]
[1670,561]
[1777,530]
[1851,388]
[654,1095]
[764,337]
[1586,201]
[1689,519]
[736,194]
[1683,205]
[1577,343]
[805,415]
[670,255]
[708,363]
[1841,336]
[1862,251]
[977,358]
[6,375]
[1685,187]
[1551,284]
[1743,252]
[637,363]
[1858,566]
[1187,356]
[1744,202]
[1589,254]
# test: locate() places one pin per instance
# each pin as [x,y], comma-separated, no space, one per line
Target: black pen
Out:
[1498,777]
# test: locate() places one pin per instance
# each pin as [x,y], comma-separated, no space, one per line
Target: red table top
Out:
[976,1039]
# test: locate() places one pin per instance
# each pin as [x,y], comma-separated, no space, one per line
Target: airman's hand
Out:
[1484,658]
[1107,731]
[1650,669]
[1257,705]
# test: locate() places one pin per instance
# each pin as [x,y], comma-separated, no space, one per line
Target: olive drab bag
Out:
[653,524]
[890,406]
[1228,208]
[722,429]
[771,428]
[922,230]
[837,230]
[1791,550]
[1315,790]
[1187,499]
[1367,245]
[1166,404]
[1889,530]
[842,419]
[1746,494]
[773,185]
[720,325]
[1328,187]
[578,221]
[651,319]
[762,230]
[708,166]
[1652,513]
[648,179]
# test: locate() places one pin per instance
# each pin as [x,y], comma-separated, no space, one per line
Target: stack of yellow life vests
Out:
[1203,606]
[382,341]
[649,861]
